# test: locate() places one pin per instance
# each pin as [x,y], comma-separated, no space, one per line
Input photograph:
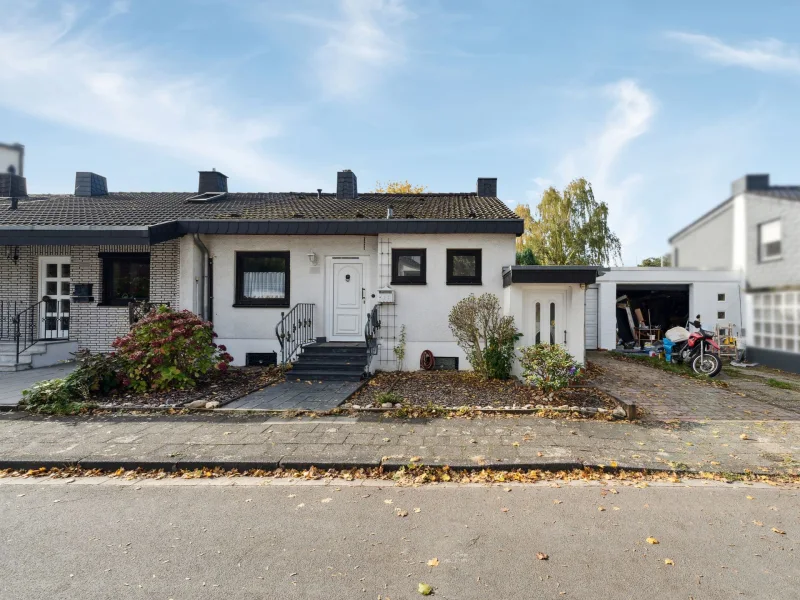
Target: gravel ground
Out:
[452,389]
[226,388]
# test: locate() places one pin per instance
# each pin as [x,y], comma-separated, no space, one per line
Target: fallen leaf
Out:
[539,454]
[669,561]
[400,512]
[652,540]
[744,436]
[507,489]
[601,508]
[556,501]
[416,510]
[515,444]
[759,523]
[434,562]
[779,531]
[749,497]
[614,464]
[425,589]
[504,509]
[326,500]
[387,501]
[416,458]
[542,556]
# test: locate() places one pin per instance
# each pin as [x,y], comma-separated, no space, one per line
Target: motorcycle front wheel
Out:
[707,364]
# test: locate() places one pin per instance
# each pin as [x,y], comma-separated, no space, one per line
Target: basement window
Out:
[126,278]
[262,279]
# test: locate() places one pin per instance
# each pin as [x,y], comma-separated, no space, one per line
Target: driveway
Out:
[12,384]
[666,396]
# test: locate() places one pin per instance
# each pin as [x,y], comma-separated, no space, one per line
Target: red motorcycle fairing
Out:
[713,343]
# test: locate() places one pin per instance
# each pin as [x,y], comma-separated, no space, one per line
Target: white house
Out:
[756,233]
[341,274]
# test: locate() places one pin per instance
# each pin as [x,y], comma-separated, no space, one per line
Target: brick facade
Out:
[92,326]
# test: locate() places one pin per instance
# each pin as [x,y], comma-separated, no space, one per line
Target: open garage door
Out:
[659,306]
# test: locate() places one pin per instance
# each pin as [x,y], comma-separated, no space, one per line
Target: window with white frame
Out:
[769,241]
[775,321]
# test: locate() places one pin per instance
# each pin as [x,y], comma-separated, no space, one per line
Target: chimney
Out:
[346,185]
[212,181]
[12,186]
[750,183]
[487,186]
[90,184]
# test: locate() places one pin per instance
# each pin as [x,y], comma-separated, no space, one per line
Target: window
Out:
[464,267]
[720,297]
[262,279]
[408,266]
[776,319]
[721,314]
[126,277]
[769,241]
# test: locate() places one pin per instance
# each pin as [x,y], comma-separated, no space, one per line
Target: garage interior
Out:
[662,306]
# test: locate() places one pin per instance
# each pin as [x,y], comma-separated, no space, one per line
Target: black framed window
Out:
[464,267]
[262,279]
[126,278]
[408,266]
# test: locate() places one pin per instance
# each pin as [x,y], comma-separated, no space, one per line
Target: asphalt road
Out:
[99,539]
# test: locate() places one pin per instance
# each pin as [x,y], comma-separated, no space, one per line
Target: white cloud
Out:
[769,55]
[629,116]
[83,81]
[361,44]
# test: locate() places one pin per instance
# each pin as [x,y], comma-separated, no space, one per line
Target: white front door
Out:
[546,318]
[347,299]
[54,289]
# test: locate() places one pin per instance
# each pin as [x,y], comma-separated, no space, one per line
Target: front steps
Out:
[330,361]
[41,354]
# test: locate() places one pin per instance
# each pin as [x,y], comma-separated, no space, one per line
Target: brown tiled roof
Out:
[151,208]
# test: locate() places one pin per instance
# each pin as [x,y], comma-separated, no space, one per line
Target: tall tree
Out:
[398,187]
[570,228]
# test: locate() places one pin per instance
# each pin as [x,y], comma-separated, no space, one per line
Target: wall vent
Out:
[446,363]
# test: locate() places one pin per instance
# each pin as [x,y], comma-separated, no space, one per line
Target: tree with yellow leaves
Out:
[398,187]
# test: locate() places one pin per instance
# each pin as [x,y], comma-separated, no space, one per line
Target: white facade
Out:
[422,309]
[705,290]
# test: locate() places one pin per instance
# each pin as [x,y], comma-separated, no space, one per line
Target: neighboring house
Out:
[274,271]
[12,160]
[755,232]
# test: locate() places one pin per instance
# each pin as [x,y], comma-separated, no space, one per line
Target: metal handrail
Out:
[371,328]
[294,330]
[22,327]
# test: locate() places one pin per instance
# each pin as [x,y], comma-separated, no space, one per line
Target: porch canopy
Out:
[585,274]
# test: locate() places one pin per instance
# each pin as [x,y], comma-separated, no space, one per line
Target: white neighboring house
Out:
[756,233]
[283,276]
[12,159]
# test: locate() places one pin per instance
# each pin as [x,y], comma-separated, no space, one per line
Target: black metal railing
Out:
[371,328]
[8,311]
[47,319]
[294,330]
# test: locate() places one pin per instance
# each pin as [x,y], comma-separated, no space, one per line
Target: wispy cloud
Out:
[627,118]
[769,55]
[361,43]
[78,79]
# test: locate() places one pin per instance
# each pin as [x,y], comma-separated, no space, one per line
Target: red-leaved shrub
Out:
[169,350]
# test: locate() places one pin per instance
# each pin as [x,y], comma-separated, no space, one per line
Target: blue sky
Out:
[660,108]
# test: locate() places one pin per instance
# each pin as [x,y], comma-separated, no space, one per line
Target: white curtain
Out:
[264,285]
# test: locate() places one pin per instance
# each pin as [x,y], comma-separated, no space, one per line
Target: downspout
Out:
[205,288]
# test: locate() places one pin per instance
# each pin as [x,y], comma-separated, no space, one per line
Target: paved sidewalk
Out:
[297,395]
[12,384]
[528,442]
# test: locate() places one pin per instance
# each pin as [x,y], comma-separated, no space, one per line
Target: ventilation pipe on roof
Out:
[319,193]
[202,309]
[390,212]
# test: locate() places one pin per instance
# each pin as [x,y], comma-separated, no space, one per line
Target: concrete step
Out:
[329,376]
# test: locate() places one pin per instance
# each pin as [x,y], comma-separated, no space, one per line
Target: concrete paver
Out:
[12,384]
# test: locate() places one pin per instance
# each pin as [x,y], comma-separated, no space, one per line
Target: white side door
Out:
[54,289]
[546,318]
[347,299]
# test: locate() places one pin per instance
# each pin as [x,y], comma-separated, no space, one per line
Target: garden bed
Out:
[457,389]
[222,388]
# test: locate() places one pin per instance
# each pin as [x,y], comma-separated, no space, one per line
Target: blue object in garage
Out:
[668,344]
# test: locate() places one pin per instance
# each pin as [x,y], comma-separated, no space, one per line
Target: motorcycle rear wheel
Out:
[707,364]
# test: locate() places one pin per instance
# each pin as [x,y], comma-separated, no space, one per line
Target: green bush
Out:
[56,396]
[548,366]
[392,397]
[169,350]
[485,335]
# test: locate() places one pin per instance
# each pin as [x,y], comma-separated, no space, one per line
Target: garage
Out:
[633,306]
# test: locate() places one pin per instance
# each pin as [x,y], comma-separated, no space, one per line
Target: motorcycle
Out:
[697,348]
